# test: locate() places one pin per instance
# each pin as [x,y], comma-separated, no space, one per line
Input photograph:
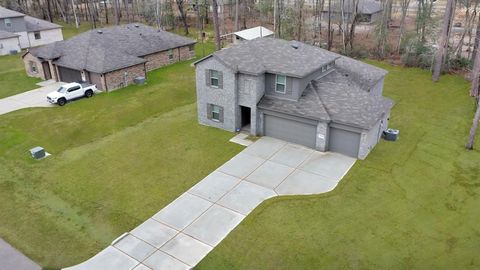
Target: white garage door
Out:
[344,142]
[290,130]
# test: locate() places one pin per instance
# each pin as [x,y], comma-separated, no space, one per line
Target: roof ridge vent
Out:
[100,31]
[136,25]
[295,45]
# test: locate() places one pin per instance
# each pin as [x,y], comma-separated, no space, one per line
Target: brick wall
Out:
[160,59]
[116,79]
[30,58]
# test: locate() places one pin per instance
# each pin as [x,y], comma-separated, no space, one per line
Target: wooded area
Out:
[439,35]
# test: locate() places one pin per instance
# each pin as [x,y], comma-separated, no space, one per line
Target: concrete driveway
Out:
[10,258]
[33,98]
[180,235]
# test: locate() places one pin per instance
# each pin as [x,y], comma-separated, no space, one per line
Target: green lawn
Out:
[116,160]
[13,79]
[413,204]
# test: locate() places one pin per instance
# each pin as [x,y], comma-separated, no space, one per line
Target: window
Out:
[170,54]
[191,48]
[216,112]
[8,23]
[214,78]
[37,35]
[1,45]
[75,88]
[280,83]
[33,67]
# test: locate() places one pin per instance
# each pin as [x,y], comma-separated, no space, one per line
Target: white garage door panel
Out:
[290,130]
[344,142]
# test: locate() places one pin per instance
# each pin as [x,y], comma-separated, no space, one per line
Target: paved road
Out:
[180,235]
[12,259]
[33,98]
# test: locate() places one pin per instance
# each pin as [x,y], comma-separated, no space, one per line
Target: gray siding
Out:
[302,83]
[270,87]
[226,97]
[250,90]
[377,89]
[18,25]
[371,137]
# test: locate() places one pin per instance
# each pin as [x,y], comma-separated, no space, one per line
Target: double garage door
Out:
[69,75]
[290,130]
[340,140]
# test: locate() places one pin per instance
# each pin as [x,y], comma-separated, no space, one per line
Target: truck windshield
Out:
[62,90]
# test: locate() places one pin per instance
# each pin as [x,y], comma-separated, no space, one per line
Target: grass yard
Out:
[413,204]
[116,160]
[13,79]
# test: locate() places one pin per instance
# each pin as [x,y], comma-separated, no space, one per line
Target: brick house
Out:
[294,92]
[109,57]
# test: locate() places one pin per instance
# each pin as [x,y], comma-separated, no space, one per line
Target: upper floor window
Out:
[37,35]
[191,47]
[170,54]
[214,78]
[280,83]
[8,22]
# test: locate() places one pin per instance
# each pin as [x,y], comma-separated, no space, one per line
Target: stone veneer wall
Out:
[321,142]
[26,61]
[116,79]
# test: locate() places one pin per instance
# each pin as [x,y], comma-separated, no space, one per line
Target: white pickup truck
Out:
[71,91]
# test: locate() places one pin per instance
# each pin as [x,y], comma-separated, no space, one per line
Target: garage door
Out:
[69,75]
[290,130]
[344,142]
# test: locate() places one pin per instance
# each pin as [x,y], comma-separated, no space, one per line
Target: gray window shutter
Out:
[220,80]
[209,111]
[221,115]
[207,77]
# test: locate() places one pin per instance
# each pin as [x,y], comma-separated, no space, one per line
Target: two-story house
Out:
[295,92]
[29,31]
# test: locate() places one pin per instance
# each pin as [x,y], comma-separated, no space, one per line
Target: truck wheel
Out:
[61,102]
[88,93]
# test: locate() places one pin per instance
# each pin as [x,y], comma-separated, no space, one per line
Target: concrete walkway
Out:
[180,235]
[10,259]
[33,98]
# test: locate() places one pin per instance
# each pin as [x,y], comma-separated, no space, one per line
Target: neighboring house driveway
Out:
[186,230]
[33,98]
[10,258]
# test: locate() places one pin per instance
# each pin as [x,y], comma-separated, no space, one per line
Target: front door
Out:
[245,117]
[46,71]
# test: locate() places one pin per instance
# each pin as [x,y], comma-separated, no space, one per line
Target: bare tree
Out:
[382,30]
[236,14]
[216,25]
[473,129]
[329,29]
[441,54]
[423,17]
[404,4]
[116,11]
[183,15]
[74,8]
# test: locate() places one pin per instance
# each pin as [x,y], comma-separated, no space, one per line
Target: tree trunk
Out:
[183,16]
[216,25]
[442,50]
[105,8]
[237,9]
[404,5]
[475,74]
[330,34]
[477,40]
[473,130]
[115,11]
[74,8]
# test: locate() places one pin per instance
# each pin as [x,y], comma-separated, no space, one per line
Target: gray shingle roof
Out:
[114,48]
[335,97]
[5,34]
[8,13]
[35,24]
[275,56]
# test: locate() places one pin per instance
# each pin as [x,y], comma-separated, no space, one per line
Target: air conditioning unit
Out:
[37,152]
[391,134]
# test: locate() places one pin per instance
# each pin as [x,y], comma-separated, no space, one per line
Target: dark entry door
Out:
[245,115]
[46,70]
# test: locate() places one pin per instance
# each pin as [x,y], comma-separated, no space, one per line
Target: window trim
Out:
[170,54]
[216,78]
[284,84]
[213,106]
[8,22]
